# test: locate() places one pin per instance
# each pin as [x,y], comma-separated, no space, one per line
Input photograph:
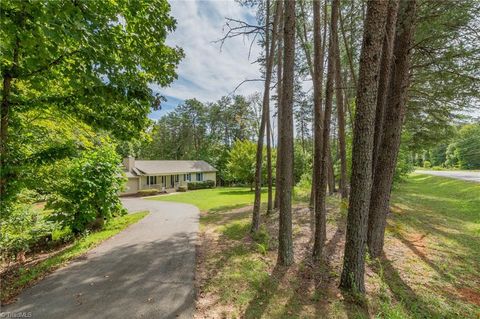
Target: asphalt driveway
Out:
[146,271]
[463,175]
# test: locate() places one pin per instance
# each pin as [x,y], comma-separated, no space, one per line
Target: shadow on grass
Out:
[238,192]
[216,218]
[265,292]
[224,208]
[411,302]
[423,257]
[322,277]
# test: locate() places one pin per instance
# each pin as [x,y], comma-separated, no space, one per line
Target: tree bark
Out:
[392,128]
[269,165]
[8,77]
[279,97]
[331,170]
[285,178]
[348,52]
[269,53]
[352,278]
[318,118]
[5,108]
[302,33]
[341,122]
[387,53]
[317,108]
[322,165]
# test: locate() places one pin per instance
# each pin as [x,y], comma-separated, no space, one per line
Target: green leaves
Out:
[90,190]
[89,66]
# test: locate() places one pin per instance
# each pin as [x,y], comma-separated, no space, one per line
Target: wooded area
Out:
[356,94]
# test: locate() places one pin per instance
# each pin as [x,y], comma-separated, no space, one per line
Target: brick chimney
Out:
[129,163]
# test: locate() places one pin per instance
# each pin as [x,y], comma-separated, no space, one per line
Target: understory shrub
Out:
[427,164]
[147,192]
[182,188]
[89,194]
[201,185]
[23,228]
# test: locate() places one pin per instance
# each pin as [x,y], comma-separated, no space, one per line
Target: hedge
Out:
[201,185]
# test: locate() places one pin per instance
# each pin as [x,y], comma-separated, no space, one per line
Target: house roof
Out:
[171,167]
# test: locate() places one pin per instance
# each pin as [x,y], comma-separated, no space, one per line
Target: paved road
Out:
[464,175]
[146,271]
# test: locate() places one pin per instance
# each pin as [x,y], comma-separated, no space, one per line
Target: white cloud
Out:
[206,73]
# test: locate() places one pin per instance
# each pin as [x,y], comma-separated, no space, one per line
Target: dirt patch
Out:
[469,295]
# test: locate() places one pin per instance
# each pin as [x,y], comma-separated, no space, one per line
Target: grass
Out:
[214,200]
[24,276]
[430,268]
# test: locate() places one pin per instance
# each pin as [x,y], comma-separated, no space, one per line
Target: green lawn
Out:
[216,199]
[24,276]
[437,221]
[430,269]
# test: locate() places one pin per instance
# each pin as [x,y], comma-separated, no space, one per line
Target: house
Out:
[165,175]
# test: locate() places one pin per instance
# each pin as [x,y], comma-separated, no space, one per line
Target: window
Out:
[188,177]
[151,180]
[199,176]
[164,181]
[176,178]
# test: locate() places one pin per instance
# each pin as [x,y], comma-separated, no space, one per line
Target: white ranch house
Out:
[165,175]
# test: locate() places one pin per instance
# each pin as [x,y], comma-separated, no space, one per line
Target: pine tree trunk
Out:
[331,170]
[341,123]
[323,164]
[348,52]
[352,278]
[387,54]
[269,165]
[8,77]
[279,97]
[4,110]
[285,178]
[392,128]
[317,119]
[269,53]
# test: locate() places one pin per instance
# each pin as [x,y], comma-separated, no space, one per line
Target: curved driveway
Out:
[146,271]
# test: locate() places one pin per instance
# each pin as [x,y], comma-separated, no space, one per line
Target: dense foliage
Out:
[77,76]
[199,131]
[22,228]
[90,191]
[91,61]
[201,185]
[462,150]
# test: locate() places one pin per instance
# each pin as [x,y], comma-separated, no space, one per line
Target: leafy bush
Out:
[182,188]
[201,185]
[301,191]
[404,165]
[262,238]
[147,192]
[468,146]
[451,155]
[427,164]
[89,194]
[22,228]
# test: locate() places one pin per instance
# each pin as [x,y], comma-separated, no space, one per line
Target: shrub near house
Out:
[201,185]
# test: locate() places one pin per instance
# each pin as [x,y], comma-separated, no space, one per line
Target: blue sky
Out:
[207,73]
